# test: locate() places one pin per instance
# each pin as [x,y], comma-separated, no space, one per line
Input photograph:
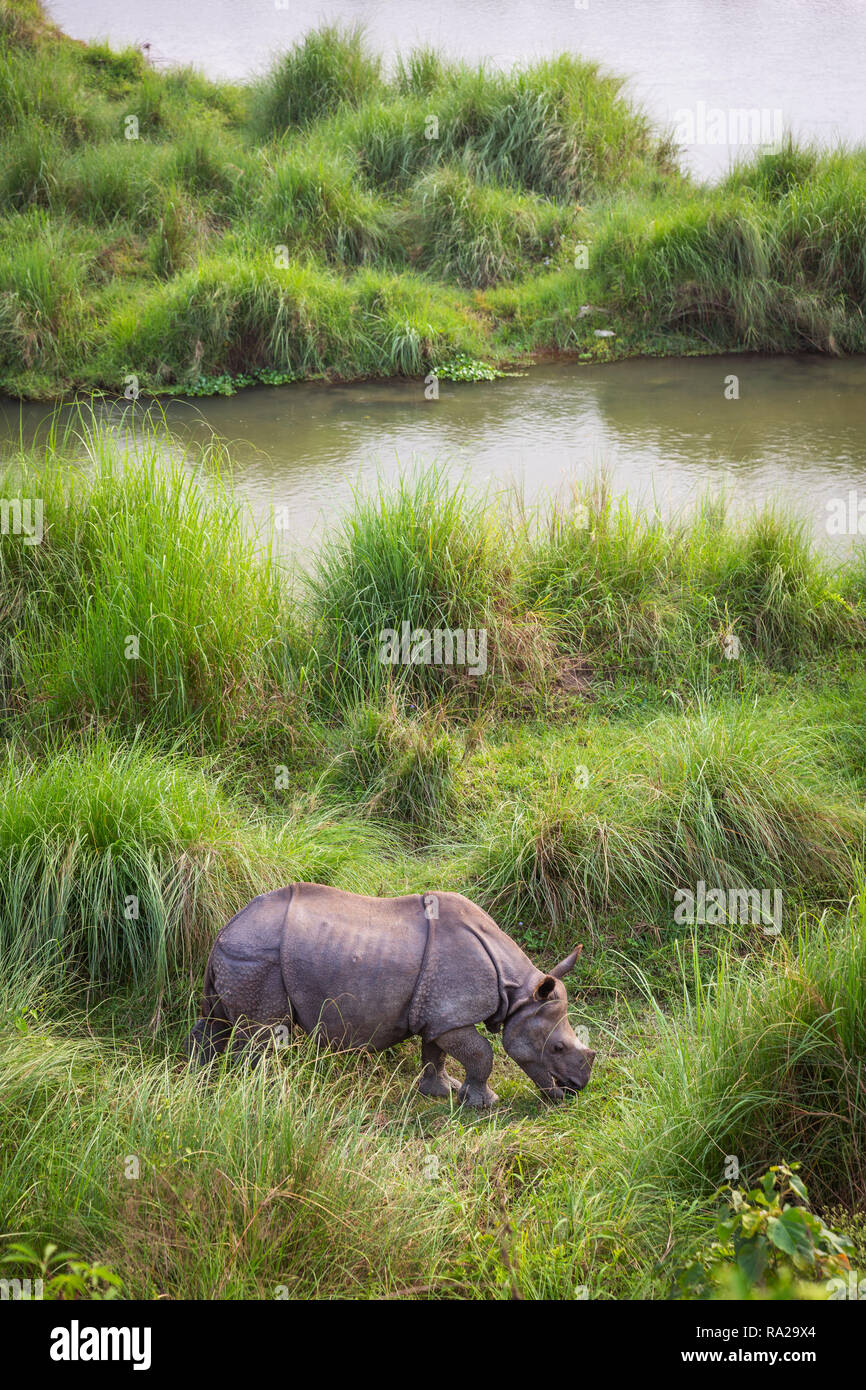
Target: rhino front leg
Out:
[435,1080]
[474,1053]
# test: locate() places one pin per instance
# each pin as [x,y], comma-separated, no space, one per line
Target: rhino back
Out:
[351,963]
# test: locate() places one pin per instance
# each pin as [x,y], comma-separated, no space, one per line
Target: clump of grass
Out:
[557,129]
[775,172]
[595,571]
[420,72]
[175,236]
[42,81]
[424,554]
[753,264]
[328,69]
[43,292]
[107,183]
[230,315]
[314,206]
[403,768]
[764,582]
[29,167]
[121,862]
[152,599]
[478,234]
[637,594]
[762,1060]
[22,21]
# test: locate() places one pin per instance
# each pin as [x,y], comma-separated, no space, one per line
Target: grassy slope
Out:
[305,225]
[254,741]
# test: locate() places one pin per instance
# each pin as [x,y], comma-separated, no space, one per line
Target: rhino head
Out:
[540,1039]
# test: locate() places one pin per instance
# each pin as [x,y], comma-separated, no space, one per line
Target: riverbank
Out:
[164,233]
[185,725]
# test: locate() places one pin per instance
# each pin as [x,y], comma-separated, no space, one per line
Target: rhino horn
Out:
[567,965]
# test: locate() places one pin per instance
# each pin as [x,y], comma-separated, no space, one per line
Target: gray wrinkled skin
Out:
[369,972]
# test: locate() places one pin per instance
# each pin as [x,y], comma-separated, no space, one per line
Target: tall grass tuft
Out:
[329,68]
[313,204]
[478,234]
[121,863]
[152,599]
[764,1059]
[399,768]
[422,553]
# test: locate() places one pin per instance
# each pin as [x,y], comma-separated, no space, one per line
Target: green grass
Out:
[328,70]
[477,234]
[332,219]
[157,599]
[121,862]
[258,739]
[763,1060]
[426,554]
[152,600]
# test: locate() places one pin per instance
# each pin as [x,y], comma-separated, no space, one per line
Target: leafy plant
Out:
[770,1247]
[462,367]
[65,1276]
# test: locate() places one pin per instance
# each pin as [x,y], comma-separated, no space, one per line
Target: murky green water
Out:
[663,431]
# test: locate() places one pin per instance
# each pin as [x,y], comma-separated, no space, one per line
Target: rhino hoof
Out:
[479,1097]
[438,1087]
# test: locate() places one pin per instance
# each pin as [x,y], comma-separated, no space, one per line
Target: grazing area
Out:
[334,218]
[663,710]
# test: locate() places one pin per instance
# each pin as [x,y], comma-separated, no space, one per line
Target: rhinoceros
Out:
[368,972]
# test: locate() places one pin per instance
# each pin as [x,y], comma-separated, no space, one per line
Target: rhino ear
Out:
[567,965]
[545,987]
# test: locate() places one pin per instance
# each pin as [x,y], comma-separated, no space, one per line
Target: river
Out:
[664,431]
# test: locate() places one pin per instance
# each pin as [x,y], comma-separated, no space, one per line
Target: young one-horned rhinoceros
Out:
[369,972]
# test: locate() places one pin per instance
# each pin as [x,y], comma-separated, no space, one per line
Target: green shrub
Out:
[771,1246]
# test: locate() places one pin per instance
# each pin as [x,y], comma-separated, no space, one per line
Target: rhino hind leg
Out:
[207,1038]
[475,1054]
[435,1080]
